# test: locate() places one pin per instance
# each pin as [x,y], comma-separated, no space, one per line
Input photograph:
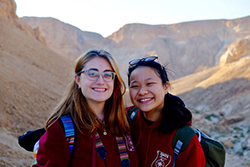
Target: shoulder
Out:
[54,137]
[55,126]
[53,147]
[195,142]
[54,131]
[183,136]
[190,138]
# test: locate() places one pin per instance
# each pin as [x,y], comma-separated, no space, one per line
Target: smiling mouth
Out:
[99,90]
[145,100]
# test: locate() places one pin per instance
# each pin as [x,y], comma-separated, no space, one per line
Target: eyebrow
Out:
[95,69]
[135,81]
[149,79]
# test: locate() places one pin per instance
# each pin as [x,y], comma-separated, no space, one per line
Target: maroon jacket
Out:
[155,149]
[54,149]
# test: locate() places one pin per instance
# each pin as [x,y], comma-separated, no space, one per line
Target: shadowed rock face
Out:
[209,61]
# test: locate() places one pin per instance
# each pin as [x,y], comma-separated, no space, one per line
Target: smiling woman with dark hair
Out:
[159,117]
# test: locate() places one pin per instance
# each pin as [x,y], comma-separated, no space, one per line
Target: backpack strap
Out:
[69,130]
[181,139]
[132,112]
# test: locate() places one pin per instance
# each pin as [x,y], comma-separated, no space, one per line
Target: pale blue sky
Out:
[107,16]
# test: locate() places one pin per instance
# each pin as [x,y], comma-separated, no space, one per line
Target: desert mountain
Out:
[65,39]
[186,47]
[209,60]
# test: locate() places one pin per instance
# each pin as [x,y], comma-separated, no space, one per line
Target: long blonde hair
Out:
[74,102]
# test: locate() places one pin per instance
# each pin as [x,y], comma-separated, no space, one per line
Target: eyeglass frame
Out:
[145,59]
[99,73]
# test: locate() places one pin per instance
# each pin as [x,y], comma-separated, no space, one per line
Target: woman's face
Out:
[146,90]
[98,91]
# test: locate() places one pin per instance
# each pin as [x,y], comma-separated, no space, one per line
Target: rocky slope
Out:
[219,98]
[32,79]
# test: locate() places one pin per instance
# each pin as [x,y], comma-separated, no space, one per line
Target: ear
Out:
[166,86]
[77,80]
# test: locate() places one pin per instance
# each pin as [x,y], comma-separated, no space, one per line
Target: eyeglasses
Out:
[135,62]
[93,75]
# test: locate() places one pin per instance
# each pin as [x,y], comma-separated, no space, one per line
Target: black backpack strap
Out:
[182,138]
[70,134]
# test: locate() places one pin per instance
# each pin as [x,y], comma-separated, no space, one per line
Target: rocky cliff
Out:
[65,39]
[8,12]
[186,47]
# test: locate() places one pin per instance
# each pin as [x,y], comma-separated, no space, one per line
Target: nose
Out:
[143,91]
[100,79]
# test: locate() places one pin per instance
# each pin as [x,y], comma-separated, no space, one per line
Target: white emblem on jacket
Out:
[162,160]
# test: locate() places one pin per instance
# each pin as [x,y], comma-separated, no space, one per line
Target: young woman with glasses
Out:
[159,117]
[94,101]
